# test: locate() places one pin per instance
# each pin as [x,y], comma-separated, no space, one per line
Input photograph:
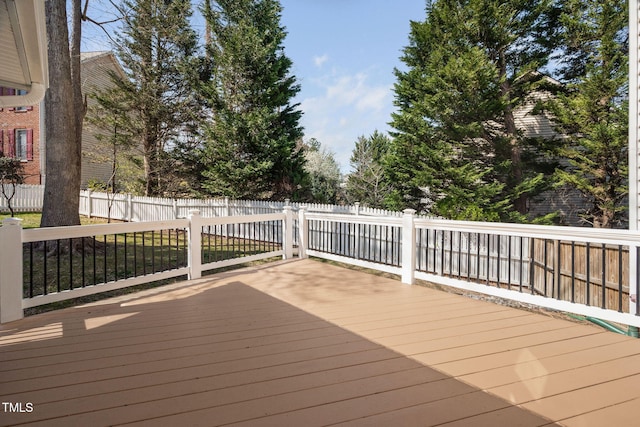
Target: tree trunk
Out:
[520,203]
[63,138]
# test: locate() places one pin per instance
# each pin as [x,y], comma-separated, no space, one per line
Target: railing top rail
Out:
[355,219]
[593,235]
[77,231]
[239,219]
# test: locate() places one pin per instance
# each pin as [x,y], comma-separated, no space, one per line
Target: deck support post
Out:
[408,247]
[11,270]
[195,245]
[302,232]
[288,233]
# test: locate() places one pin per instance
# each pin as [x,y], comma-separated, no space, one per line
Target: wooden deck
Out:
[303,343]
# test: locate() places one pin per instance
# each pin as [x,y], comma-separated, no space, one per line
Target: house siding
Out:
[96,160]
[567,202]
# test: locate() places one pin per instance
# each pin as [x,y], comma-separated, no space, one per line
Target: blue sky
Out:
[343,53]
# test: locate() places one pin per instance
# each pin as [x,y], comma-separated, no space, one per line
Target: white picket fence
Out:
[126,207]
[130,208]
[27,198]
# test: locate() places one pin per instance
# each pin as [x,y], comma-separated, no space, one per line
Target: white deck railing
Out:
[590,272]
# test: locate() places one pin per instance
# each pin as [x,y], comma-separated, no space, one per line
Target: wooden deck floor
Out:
[303,343]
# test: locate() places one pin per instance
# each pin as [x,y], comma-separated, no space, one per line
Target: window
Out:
[5,91]
[20,144]
[21,92]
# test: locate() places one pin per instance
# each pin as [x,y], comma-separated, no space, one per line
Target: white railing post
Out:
[357,208]
[288,233]
[408,247]
[302,232]
[195,244]
[11,270]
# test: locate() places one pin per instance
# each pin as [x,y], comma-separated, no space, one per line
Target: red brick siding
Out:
[10,120]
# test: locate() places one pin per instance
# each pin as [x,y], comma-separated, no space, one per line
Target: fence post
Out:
[357,208]
[89,203]
[175,208]
[302,232]
[129,215]
[408,247]
[288,233]
[195,244]
[11,270]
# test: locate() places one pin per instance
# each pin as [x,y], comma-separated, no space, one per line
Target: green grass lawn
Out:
[32,219]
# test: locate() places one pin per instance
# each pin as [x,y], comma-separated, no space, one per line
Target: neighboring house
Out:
[22,128]
[565,201]
[96,158]
[20,135]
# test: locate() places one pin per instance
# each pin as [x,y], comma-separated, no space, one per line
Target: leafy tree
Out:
[367,182]
[250,142]
[456,147]
[11,174]
[154,105]
[593,112]
[323,173]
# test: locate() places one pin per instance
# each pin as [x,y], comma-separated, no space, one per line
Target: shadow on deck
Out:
[303,343]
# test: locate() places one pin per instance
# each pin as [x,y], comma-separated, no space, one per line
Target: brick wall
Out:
[13,119]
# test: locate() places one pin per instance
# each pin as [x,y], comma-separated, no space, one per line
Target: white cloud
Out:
[345,106]
[320,60]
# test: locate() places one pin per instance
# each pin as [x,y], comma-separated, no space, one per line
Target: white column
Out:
[11,270]
[195,244]
[634,88]
[408,247]
[302,232]
[288,233]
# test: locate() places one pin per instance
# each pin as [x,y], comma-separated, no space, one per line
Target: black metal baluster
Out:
[115,257]
[31,270]
[58,265]
[104,259]
[46,269]
[70,264]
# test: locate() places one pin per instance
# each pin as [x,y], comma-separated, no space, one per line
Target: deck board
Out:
[305,343]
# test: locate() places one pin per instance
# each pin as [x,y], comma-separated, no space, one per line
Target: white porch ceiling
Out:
[23,51]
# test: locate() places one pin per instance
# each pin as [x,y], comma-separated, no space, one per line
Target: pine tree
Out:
[367,182]
[154,105]
[593,112]
[456,148]
[250,148]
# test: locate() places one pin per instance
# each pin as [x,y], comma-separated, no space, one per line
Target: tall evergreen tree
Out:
[250,148]
[457,146]
[367,183]
[593,112]
[154,104]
